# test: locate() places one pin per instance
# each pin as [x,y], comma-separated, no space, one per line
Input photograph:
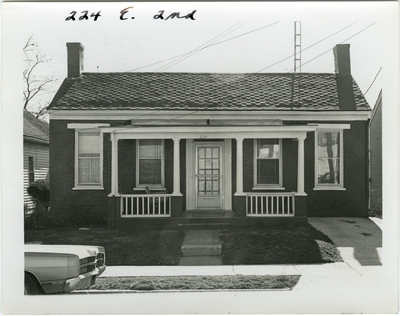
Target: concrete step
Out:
[202,226]
[208,214]
[202,243]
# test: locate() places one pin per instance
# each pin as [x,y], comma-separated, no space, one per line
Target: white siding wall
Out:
[40,154]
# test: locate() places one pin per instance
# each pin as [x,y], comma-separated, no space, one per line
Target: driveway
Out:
[359,240]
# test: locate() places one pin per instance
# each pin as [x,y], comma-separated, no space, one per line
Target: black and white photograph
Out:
[200,158]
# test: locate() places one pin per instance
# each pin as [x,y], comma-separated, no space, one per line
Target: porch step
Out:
[202,243]
[207,214]
[202,226]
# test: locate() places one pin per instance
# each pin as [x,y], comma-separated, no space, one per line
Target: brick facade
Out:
[87,206]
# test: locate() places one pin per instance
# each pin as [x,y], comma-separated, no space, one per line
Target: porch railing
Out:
[146,205]
[270,204]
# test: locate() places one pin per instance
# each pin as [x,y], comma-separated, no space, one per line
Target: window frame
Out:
[329,186]
[257,186]
[86,186]
[160,186]
[31,169]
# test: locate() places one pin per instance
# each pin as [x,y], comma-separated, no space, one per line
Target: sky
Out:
[241,37]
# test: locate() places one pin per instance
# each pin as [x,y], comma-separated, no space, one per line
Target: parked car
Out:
[62,268]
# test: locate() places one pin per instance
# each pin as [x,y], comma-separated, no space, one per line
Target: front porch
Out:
[203,172]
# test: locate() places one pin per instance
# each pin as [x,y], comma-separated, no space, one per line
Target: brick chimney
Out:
[75,59]
[344,79]
[342,59]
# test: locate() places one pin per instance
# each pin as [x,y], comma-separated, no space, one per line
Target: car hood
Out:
[81,251]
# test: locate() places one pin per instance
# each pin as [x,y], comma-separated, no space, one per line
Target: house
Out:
[375,158]
[36,153]
[162,148]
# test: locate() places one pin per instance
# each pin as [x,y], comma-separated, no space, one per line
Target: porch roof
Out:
[207,91]
[215,132]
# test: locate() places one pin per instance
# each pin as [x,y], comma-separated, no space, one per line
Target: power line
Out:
[229,39]
[177,56]
[307,47]
[333,47]
[201,46]
[373,81]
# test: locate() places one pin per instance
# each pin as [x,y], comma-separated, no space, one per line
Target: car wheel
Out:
[32,286]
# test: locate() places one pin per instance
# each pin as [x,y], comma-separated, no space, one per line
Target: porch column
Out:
[300,167]
[177,176]
[114,165]
[239,166]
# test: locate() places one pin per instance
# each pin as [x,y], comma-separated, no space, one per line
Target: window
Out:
[31,170]
[268,163]
[150,163]
[329,159]
[88,168]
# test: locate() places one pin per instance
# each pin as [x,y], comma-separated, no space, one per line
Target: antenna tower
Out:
[297,46]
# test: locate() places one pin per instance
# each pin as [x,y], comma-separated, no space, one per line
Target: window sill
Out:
[143,188]
[88,188]
[329,188]
[268,188]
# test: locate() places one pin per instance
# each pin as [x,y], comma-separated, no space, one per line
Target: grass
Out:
[122,247]
[274,245]
[225,282]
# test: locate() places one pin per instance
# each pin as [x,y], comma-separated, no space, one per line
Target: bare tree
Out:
[36,84]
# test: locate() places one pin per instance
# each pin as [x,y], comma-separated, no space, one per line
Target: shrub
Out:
[39,191]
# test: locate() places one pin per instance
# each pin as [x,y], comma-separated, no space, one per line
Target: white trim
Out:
[176,167]
[165,114]
[239,166]
[155,186]
[266,188]
[331,126]
[272,185]
[83,187]
[209,132]
[78,186]
[86,125]
[329,186]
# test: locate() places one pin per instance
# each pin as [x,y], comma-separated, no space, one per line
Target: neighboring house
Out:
[36,152]
[375,157]
[161,148]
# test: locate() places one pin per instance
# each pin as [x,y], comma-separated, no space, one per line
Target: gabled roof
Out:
[34,128]
[207,91]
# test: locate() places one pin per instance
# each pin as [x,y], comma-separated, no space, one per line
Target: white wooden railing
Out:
[270,204]
[146,205]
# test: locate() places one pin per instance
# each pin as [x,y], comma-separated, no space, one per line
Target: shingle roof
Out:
[204,91]
[35,128]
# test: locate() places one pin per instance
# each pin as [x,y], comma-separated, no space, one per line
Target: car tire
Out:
[32,286]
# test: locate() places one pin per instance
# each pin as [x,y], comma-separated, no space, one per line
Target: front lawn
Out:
[122,247]
[266,245]
[274,245]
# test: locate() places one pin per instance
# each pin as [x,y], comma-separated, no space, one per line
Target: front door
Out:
[208,176]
